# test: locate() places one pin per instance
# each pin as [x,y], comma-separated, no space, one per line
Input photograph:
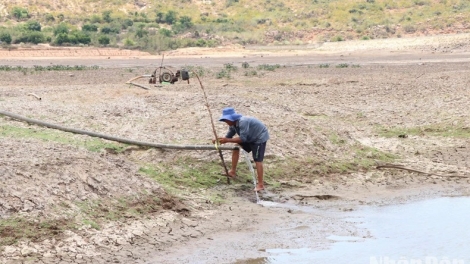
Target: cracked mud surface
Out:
[306,108]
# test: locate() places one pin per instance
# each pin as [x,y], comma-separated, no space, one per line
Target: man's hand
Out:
[228,140]
[224,140]
[221,140]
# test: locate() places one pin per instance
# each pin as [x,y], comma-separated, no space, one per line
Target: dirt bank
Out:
[330,116]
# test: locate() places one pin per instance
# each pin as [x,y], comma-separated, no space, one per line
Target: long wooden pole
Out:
[213,128]
[112,138]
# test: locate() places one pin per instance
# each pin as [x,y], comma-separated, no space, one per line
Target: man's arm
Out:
[236,140]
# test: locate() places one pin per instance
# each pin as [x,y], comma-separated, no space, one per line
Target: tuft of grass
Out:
[342,65]
[90,213]
[186,173]
[251,73]
[268,67]
[223,74]
[362,158]
[199,70]
[230,67]
[14,230]
[91,144]
[37,68]
[437,130]
[98,211]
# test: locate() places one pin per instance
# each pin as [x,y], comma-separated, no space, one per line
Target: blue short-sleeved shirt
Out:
[250,130]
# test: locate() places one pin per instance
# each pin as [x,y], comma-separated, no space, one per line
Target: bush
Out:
[200,43]
[170,17]
[33,25]
[342,65]
[337,39]
[165,32]
[109,30]
[61,38]
[104,40]
[129,42]
[80,37]
[268,67]
[95,19]
[90,27]
[230,67]
[31,37]
[49,18]
[20,13]
[107,16]
[222,74]
[62,28]
[5,37]
[127,23]
[184,23]
[141,32]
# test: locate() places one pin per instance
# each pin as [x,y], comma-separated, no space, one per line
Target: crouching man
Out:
[252,137]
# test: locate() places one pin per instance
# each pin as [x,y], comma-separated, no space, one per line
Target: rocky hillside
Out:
[163,25]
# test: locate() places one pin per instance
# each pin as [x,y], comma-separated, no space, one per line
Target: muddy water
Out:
[431,231]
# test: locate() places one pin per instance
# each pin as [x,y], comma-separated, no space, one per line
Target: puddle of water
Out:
[344,238]
[306,209]
[428,232]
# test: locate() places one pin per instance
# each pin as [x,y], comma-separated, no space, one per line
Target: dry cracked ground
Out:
[333,112]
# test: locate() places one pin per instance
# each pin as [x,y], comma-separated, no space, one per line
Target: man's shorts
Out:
[257,149]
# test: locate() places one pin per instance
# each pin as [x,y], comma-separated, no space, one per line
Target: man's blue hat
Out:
[229,114]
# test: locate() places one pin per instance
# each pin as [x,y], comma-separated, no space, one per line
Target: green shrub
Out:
[170,17]
[19,12]
[33,25]
[61,38]
[81,37]
[165,32]
[90,27]
[129,42]
[5,37]
[49,17]
[342,65]
[337,39]
[268,67]
[31,37]
[222,74]
[184,23]
[104,40]
[95,19]
[200,43]
[62,28]
[109,30]
[127,23]
[160,17]
[230,67]
[141,32]
[107,16]
[251,73]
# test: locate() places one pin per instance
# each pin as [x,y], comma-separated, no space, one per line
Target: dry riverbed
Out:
[333,112]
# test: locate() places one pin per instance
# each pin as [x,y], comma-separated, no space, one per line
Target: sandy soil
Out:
[389,83]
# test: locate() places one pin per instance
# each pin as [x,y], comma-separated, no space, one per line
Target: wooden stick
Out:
[213,128]
[393,166]
[35,95]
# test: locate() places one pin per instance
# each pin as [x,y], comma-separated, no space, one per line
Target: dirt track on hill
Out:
[314,114]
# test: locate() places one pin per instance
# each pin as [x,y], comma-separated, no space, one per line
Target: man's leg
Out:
[258,156]
[259,171]
[235,157]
